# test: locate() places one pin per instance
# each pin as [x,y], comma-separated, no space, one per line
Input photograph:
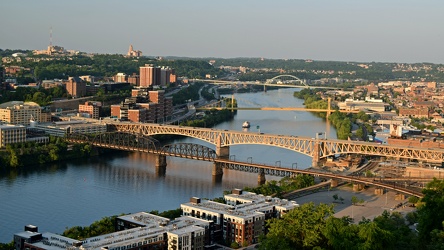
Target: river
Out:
[79,192]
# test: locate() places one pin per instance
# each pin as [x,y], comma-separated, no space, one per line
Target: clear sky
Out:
[343,30]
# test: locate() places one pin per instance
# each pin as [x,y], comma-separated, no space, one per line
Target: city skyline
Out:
[344,30]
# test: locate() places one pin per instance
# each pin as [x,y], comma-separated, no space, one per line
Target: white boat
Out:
[246,124]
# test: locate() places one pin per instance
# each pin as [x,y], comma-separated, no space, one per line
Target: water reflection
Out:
[80,191]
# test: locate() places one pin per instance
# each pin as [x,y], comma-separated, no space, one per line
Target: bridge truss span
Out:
[313,147]
[330,148]
[131,142]
[300,145]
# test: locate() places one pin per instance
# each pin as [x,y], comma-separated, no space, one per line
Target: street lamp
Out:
[276,163]
[251,159]
[294,164]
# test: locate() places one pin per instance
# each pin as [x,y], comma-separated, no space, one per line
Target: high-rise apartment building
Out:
[76,87]
[149,76]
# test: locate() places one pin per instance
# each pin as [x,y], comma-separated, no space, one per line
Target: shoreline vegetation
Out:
[342,122]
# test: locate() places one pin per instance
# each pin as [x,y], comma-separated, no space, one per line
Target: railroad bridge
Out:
[132,142]
[136,137]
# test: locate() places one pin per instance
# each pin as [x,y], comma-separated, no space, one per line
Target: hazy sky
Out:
[343,30]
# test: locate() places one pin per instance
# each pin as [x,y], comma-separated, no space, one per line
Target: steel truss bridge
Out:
[136,137]
[131,142]
[316,148]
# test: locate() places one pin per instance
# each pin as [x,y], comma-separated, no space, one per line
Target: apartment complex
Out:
[75,87]
[151,75]
[12,134]
[244,220]
[202,224]
[145,105]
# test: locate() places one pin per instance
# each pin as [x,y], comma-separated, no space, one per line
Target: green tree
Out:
[7,246]
[360,133]
[431,211]
[301,228]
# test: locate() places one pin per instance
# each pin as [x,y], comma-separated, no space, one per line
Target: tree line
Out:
[31,153]
[105,65]
[314,227]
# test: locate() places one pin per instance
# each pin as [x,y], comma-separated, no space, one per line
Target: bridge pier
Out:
[358,187]
[161,164]
[265,88]
[316,156]
[333,183]
[261,177]
[222,151]
[217,171]
[379,191]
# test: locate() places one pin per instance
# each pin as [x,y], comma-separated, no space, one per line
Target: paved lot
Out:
[373,204]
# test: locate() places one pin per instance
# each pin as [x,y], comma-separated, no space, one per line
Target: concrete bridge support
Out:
[265,88]
[333,183]
[379,191]
[261,177]
[222,151]
[161,165]
[217,171]
[316,152]
[358,187]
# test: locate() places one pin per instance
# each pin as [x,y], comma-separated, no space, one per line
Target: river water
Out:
[79,192]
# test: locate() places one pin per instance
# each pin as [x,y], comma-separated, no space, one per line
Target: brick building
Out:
[243,220]
[90,109]
[414,112]
[149,76]
[144,105]
[75,87]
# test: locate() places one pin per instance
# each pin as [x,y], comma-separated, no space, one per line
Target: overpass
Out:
[131,142]
[317,148]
